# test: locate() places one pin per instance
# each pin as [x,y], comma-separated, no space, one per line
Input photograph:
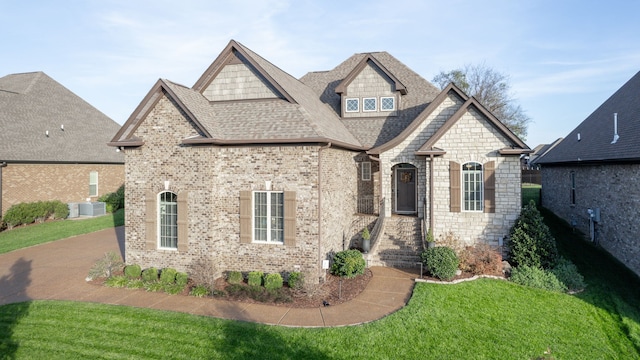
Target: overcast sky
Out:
[563,58]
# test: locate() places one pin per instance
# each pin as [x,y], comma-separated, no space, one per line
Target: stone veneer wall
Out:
[64,182]
[612,188]
[472,138]
[214,177]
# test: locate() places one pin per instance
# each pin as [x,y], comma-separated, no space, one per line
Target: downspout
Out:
[431,219]
[320,202]
[2,164]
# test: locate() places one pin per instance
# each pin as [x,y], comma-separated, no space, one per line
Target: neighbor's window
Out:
[268,216]
[472,182]
[573,187]
[93,183]
[387,103]
[366,171]
[353,105]
[168,220]
[369,104]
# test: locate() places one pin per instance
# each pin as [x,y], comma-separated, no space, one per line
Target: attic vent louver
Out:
[615,128]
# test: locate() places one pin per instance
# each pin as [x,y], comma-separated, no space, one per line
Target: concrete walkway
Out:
[57,271]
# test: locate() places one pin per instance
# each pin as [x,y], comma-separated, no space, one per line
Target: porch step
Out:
[400,245]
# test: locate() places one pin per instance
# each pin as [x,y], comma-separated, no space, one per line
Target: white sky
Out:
[564,58]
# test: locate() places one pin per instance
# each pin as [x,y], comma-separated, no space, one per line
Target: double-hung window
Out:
[268,216]
[93,183]
[572,198]
[472,180]
[168,220]
[366,171]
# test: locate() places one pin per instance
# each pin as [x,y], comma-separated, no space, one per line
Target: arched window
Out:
[472,181]
[168,220]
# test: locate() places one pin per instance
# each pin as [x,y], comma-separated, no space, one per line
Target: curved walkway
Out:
[57,271]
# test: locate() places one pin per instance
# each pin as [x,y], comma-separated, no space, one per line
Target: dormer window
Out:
[387,103]
[369,104]
[353,105]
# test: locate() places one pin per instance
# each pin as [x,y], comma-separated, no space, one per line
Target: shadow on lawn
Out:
[610,285]
[13,285]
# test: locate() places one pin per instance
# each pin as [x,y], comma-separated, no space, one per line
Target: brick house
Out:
[590,178]
[253,169]
[53,144]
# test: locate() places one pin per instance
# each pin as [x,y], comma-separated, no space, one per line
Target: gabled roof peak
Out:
[369,58]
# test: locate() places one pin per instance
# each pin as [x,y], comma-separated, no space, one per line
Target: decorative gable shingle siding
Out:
[614,189]
[371,82]
[238,82]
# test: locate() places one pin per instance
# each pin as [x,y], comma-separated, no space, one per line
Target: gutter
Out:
[2,165]
[320,203]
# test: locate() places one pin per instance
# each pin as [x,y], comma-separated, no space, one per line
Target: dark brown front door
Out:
[405,191]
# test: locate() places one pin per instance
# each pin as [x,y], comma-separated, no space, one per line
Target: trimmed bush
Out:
[348,264]
[296,280]
[168,276]
[28,213]
[255,278]
[538,278]
[182,278]
[132,271]
[441,262]
[273,281]
[481,259]
[150,275]
[234,277]
[568,274]
[530,240]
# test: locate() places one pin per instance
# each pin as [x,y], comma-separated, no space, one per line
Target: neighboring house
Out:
[530,162]
[53,144]
[591,178]
[252,169]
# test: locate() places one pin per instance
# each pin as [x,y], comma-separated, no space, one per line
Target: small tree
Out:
[530,240]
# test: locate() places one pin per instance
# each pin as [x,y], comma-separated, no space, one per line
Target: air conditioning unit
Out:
[73,210]
[92,208]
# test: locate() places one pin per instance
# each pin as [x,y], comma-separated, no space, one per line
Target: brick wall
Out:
[213,177]
[612,188]
[64,182]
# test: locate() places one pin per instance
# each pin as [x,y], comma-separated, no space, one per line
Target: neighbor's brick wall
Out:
[214,177]
[612,188]
[472,138]
[64,182]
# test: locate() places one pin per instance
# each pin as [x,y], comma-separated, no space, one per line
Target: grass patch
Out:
[43,233]
[531,192]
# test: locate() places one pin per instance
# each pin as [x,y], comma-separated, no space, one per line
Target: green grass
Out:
[46,232]
[531,192]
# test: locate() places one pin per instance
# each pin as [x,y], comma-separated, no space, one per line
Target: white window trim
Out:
[159,222]
[253,219]
[462,188]
[96,184]
[365,165]
[388,97]
[369,98]
[346,108]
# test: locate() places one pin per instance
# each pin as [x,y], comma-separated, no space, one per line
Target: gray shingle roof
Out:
[597,130]
[32,104]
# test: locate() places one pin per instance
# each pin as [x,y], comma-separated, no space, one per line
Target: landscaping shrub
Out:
[173,289]
[106,265]
[27,213]
[296,280]
[118,281]
[535,277]
[481,259]
[199,291]
[530,240]
[255,278]
[153,286]
[234,277]
[60,210]
[441,262]
[133,271]
[168,276]
[182,278]
[150,275]
[348,264]
[113,201]
[273,281]
[135,284]
[568,274]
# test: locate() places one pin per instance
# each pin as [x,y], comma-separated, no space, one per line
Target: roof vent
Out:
[578,136]
[615,128]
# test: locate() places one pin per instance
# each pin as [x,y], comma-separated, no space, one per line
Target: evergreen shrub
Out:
[441,262]
[348,264]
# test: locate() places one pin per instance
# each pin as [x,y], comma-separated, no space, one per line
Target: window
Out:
[366,171]
[168,220]
[353,105]
[472,186]
[369,104]
[93,183]
[268,216]
[573,188]
[387,103]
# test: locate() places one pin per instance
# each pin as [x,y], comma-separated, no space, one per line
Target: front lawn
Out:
[31,235]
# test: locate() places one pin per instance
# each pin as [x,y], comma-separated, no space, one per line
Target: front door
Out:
[406,190]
